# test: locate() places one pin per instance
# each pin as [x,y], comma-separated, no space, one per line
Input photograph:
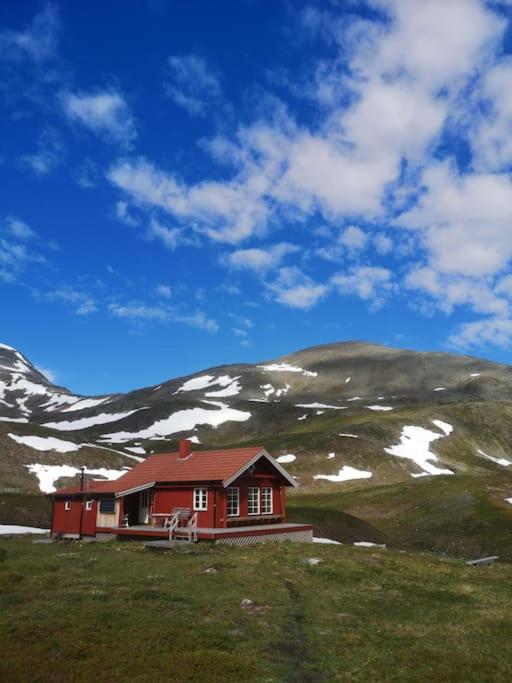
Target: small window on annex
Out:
[108,505]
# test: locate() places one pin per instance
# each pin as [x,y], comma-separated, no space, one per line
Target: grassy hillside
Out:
[462,515]
[113,612]
[25,509]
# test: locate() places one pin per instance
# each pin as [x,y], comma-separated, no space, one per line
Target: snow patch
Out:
[415,445]
[330,456]
[85,422]
[286,367]
[232,389]
[443,426]
[382,408]
[183,420]
[498,461]
[319,405]
[440,389]
[350,436]
[46,443]
[268,389]
[346,473]
[14,529]
[57,400]
[49,474]
[86,403]
[205,381]
[19,420]
[196,383]
[289,457]
[475,374]
[319,539]
[348,380]
[303,417]
[138,450]
[113,450]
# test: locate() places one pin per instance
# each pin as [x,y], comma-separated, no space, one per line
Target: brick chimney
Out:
[184,448]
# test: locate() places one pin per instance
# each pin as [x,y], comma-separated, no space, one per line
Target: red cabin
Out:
[231,496]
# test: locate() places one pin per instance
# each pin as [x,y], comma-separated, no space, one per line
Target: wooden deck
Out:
[205,533]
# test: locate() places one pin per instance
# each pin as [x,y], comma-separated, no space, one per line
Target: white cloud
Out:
[504,286]
[353,238]
[449,291]
[164,291]
[490,132]
[105,113]
[139,311]
[260,259]
[171,238]
[294,289]
[485,332]
[226,212]
[392,88]
[48,155]
[367,282]
[16,254]
[38,42]
[383,243]
[192,83]
[19,228]
[86,175]
[122,210]
[474,210]
[80,302]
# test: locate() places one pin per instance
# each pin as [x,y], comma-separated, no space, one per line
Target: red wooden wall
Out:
[68,521]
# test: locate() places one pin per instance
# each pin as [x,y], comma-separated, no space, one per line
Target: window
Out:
[108,505]
[200,499]
[233,501]
[253,501]
[266,501]
[88,504]
[67,505]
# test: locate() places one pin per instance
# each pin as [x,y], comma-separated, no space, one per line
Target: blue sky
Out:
[187,184]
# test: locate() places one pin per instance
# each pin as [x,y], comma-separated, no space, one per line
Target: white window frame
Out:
[233,491]
[200,499]
[267,496]
[67,505]
[88,504]
[253,492]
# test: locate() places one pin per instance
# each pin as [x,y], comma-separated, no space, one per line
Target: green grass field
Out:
[114,612]
[462,516]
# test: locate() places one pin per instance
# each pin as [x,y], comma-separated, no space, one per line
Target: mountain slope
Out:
[344,412]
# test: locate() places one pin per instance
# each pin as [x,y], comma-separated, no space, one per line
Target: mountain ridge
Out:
[353,399]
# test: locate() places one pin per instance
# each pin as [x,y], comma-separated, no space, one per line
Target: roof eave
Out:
[227,482]
[135,489]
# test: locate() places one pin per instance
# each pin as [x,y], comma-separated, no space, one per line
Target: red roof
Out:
[199,466]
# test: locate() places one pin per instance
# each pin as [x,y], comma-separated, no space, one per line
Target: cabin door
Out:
[144,507]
